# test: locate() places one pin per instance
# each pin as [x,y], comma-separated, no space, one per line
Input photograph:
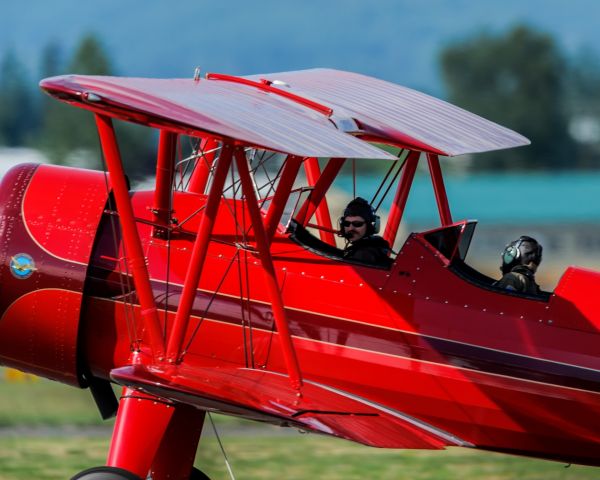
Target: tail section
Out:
[576,300]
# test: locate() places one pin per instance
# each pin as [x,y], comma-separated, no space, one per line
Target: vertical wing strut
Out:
[167,144]
[438,187]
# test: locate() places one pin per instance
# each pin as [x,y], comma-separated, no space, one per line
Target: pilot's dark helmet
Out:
[359,207]
[520,252]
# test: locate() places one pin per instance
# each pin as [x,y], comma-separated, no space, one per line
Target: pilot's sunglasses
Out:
[355,223]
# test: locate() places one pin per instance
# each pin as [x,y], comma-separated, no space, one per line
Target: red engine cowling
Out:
[49,216]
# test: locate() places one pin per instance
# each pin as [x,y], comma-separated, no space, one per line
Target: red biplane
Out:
[223,288]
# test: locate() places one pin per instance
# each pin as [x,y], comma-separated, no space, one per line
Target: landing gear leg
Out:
[177,451]
[152,438]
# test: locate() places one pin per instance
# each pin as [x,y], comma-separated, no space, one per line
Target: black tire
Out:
[198,475]
[105,473]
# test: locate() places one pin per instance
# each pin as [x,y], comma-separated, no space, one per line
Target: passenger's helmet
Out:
[520,252]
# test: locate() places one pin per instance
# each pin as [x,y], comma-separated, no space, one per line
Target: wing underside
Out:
[268,396]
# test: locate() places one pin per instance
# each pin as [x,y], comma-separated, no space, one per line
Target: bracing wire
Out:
[250,332]
[197,154]
[177,167]
[184,164]
[210,302]
[247,303]
[125,289]
[354,178]
[187,162]
[235,187]
[241,256]
[390,170]
[392,182]
[271,184]
[239,232]
[264,158]
[211,168]
[242,309]
[227,464]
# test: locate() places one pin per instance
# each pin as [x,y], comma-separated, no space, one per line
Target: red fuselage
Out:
[428,337]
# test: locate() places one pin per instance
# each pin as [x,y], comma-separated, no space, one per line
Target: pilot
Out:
[520,260]
[359,226]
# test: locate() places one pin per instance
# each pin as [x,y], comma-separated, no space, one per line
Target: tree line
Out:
[65,134]
[518,78]
[523,81]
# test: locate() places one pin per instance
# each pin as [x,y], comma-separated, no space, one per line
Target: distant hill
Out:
[397,40]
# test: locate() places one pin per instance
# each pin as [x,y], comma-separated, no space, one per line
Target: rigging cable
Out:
[271,184]
[391,182]
[354,178]
[239,232]
[227,464]
[212,298]
[210,302]
[247,301]
[125,289]
[394,163]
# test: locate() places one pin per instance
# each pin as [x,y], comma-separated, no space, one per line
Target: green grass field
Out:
[34,446]
[42,402]
[299,457]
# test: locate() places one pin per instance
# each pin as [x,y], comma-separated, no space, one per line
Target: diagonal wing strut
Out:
[289,353]
[131,238]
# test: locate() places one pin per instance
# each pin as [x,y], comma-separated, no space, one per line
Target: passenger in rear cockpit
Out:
[520,260]
[359,226]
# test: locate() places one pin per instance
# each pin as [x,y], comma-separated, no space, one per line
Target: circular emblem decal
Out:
[22,266]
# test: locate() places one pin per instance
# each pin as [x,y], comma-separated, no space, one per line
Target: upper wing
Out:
[361,105]
[267,396]
[391,111]
[226,109]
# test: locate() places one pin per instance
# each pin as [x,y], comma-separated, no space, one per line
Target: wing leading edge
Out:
[267,396]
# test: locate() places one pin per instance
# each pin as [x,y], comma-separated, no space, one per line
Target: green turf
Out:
[255,452]
[42,402]
[294,457]
[310,456]
[49,458]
